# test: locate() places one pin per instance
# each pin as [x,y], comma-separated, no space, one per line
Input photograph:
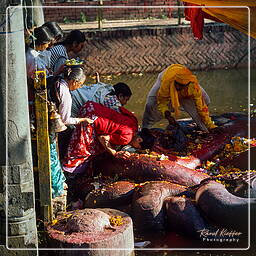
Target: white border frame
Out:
[124,249]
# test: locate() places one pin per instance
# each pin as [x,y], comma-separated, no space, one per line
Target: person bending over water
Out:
[177,87]
[110,96]
[107,129]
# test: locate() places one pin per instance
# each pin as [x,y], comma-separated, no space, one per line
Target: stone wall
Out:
[153,49]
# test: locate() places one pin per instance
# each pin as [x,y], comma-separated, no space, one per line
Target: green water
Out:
[228,90]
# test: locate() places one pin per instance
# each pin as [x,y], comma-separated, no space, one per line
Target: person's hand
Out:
[217,130]
[123,154]
[170,119]
[86,120]
[50,70]
[60,70]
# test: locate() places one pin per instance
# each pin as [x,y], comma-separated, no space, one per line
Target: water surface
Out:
[228,90]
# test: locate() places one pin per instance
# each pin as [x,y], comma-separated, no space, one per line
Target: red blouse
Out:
[120,126]
[84,143]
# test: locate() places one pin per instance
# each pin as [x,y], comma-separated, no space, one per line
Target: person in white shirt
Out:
[59,92]
[73,78]
[38,59]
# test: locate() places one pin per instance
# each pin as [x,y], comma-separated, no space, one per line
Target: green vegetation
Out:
[163,16]
[67,20]
[82,19]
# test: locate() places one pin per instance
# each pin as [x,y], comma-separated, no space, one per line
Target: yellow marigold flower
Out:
[209,163]
[116,221]
[235,170]
[237,148]
[228,147]
[184,157]
[222,169]
[54,222]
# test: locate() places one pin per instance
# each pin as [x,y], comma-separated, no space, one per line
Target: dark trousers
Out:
[63,141]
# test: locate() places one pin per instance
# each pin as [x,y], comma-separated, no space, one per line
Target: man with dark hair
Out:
[110,96]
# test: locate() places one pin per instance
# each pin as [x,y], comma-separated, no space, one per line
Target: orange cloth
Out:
[235,17]
[168,92]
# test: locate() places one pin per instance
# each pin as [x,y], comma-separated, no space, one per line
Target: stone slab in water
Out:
[183,216]
[112,195]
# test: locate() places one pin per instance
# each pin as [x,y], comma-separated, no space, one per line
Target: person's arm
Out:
[163,98]
[105,142]
[65,108]
[59,65]
[30,68]
[59,70]
[202,108]
[171,120]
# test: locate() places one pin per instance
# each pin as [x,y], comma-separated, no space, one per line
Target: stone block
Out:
[5,252]
[22,241]
[19,203]
[2,178]
[14,211]
[15,189]
[19,174]
[23,225]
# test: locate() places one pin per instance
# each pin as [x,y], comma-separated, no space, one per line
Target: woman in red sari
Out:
[104,127]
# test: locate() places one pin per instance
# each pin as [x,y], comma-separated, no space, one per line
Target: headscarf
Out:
[179,73]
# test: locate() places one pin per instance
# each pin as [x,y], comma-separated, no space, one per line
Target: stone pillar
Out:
[2,124]
[38,13]
[33,16]
[15,159]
